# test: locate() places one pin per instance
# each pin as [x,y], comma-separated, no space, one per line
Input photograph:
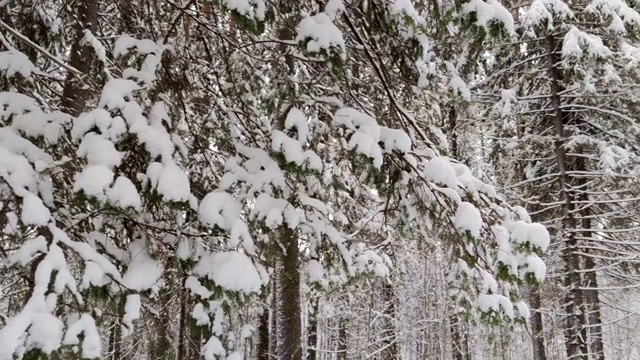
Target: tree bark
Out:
[162,347]
[182,331]
[312,337]
[458,339]
[591,296]
[575,330]
[537,332]
[275,310]
[263,336]
[290,313]
[537,324]
[342,339]
[74,95]
[593,310]
[390,344]
[592,300]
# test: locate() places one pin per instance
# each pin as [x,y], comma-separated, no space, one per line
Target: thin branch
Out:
[39,48]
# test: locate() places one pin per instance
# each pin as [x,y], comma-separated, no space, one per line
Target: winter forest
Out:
[319,179]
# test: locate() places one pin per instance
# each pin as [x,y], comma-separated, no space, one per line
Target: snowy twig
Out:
[39,48]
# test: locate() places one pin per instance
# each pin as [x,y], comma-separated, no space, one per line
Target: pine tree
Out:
[156,151]
[565,94]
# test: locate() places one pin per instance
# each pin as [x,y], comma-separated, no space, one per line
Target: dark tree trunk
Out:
[182,331]
[289,314]
[342,339]
[537,325]
[74,95]
[591,296]
[263,336]
[290,321]
[575,330]
[162,346]
[390,345]
[592,300]
[458,339]
[312,338]
[535,301]
[275,311]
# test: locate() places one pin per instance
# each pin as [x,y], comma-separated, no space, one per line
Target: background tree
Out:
[177,173]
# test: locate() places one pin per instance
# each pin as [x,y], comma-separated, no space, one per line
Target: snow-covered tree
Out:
[230,162]
[563,101]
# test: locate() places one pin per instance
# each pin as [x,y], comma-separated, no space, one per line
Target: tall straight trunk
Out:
[263,336]
[537,332]
[424,297]
[575,329]
[390,343]
[74,95]
[458,339]
[198,336]
[312,338]
[162,347]
[194,337]
[456,348]
[182,331]
[274,311]
[342,339]
[290,311]
[591,296]
[592,299]
[535,301]
[594,317]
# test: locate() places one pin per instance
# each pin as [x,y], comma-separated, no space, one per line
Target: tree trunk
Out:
[275,311]
[575,330]
[591,297]
[592,300]
[196,335]
[458,339]
[74,95]
[537,325]
[593,311]
[537,332]
[162,347]
[290,316]
[182,331]
[313,330]
[390,343]
[342,339]
[263,336]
